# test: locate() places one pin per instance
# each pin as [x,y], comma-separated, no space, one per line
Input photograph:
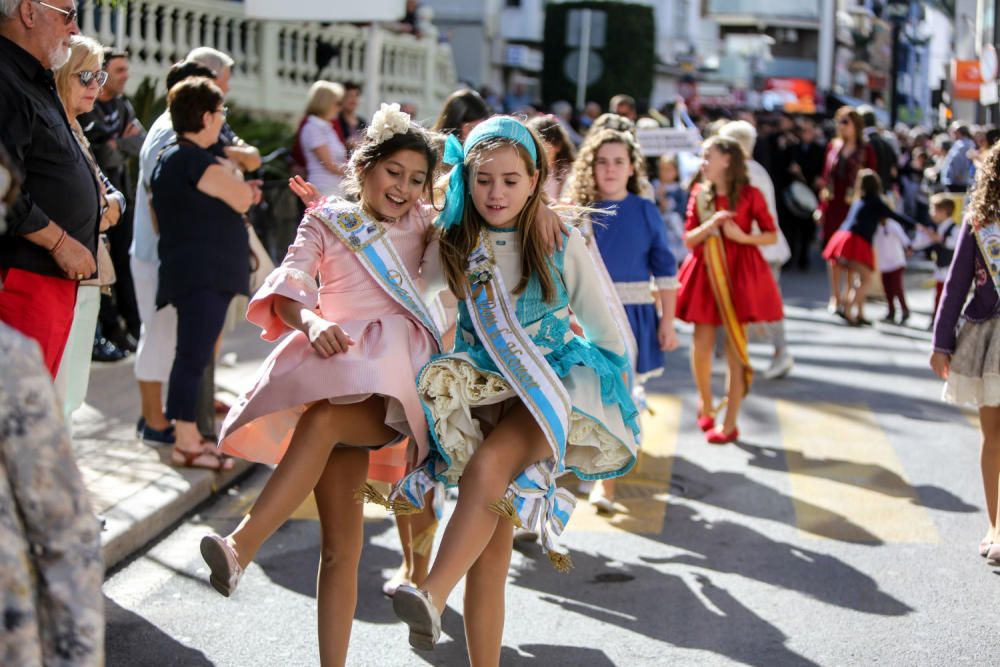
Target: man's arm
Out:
[134,133]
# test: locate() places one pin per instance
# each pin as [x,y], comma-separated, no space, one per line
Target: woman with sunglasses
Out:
[78,83]
[199,202]
[847,154]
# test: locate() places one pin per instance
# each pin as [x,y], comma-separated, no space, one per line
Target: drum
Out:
[800,200]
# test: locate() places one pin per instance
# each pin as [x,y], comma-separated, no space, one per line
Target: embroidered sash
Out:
[718,276]
[613,299]
[367,239]
[517,357]
[988,238]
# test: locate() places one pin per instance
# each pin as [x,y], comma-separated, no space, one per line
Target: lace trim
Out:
[980,392]
[667,282]
[635,293]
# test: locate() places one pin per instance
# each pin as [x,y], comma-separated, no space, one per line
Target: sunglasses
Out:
[224,111]
[70,14]
[87,77]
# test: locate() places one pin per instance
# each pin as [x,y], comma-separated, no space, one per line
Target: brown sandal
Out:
[181,458]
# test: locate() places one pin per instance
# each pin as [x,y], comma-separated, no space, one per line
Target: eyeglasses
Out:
[224,111]
[87,77]
[70,14]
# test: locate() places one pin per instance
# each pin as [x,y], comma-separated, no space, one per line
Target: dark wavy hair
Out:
[369,153]
[461,107]
[984,204]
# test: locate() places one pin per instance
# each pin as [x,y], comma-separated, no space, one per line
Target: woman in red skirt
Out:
[845,157]
[725,281]
[850,248]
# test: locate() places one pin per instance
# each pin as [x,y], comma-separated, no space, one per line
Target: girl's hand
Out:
[719,218]
[305,191]
[733,232]
[667,336]
[327,338]
[941,364]
[552,228]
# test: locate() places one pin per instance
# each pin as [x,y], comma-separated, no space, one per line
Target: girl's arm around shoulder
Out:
[586,297]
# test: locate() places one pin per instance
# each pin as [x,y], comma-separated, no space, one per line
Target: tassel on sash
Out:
[367,493]
[538,504]
[718,278]
[412,489]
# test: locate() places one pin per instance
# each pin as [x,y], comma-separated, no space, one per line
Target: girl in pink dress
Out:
[343,382]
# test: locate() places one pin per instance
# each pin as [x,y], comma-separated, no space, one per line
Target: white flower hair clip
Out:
[387,122]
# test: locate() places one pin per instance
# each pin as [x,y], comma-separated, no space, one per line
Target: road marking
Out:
[643,491]
[846,480]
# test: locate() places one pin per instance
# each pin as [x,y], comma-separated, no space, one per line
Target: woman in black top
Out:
[199,201]
[850,247]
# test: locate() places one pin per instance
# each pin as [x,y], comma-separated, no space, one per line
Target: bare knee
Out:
[485,474]
[340,552]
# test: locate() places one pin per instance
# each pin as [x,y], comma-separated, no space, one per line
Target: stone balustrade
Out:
[275,61]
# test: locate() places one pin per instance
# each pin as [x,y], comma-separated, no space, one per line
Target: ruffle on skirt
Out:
[974,376]
[388,353]
[460,396]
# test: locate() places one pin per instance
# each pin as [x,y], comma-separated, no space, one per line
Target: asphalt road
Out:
[842,530]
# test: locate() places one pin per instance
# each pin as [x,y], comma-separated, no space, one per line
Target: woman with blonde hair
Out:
[78,83]
[324,152]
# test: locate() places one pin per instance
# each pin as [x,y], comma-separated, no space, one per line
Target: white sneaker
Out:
[780,366]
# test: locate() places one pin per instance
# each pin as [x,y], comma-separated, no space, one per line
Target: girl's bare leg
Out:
[512,446]
[863,275]
[989,421]
[835,272]
[484,598]
[320,428]
[342,521]
[702,347]
[416,534]
[735,390]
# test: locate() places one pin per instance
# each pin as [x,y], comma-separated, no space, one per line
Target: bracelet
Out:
[59,243]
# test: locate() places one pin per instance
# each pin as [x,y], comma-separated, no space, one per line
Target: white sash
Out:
[613,299]
[510,347]
[988,237]
[371,245]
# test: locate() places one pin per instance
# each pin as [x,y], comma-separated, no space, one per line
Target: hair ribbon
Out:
[501,127]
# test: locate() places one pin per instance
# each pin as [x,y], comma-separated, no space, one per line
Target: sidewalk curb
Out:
[142,517]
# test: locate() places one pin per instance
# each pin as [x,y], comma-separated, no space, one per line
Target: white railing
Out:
[276,62]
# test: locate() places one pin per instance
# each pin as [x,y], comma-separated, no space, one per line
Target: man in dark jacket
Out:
[51,240]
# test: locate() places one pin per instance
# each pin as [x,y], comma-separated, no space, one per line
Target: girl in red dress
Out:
[752,295]
[845,156]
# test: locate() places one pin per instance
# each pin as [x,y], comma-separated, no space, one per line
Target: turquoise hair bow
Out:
[454,153]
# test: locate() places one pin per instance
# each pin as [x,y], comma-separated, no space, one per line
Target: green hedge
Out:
[629,52]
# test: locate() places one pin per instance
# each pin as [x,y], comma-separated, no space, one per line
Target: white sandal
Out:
[414,607]
[221,560]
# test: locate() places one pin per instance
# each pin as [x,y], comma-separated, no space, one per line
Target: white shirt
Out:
[779,252]
[890,244]
[144,237]
[315,133]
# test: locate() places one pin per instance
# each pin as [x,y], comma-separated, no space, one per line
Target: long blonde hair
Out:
[458,242]
[583,189]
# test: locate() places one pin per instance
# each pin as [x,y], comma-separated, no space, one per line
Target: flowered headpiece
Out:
[387,122]
[502,127]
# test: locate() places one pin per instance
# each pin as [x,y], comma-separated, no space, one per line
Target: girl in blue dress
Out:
[632,240]
[522,399]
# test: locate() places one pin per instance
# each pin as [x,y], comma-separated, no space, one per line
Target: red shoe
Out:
[706,422]
[717,437]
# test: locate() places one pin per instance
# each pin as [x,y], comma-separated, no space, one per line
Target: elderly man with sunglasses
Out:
[51,241]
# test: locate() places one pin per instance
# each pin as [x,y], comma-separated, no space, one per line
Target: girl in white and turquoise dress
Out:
[515,357]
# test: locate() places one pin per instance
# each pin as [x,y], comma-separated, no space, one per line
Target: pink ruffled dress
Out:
[390,347]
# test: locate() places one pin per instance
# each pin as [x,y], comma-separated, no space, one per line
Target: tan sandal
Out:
[182,458]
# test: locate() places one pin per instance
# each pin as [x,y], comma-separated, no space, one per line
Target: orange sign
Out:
[793,95]
[965,79]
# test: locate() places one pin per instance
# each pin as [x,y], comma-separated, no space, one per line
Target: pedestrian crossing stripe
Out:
[845,479]
[644,491]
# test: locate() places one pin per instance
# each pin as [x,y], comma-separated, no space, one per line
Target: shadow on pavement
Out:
[725,546]
[136,641]
[737,493]
[692,613]
[870,477]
